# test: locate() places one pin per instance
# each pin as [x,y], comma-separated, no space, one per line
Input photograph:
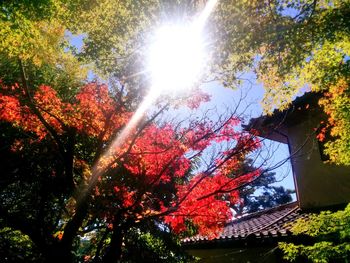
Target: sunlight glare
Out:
[203,17]
[176,58]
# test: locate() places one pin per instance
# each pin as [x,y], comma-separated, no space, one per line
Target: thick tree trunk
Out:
[114,251]
[58,253]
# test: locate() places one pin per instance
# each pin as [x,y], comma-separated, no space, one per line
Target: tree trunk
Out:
[114,251]
[58,253]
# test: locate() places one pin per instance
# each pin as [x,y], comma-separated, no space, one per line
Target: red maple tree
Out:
[153,174]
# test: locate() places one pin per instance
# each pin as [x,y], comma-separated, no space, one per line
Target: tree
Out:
[52,139]
[260,194]
[57,149]
[330,233]
[55,129]
[335,132]
[320,33]
[33,32]
[252,200]
[290,44]
[294,46]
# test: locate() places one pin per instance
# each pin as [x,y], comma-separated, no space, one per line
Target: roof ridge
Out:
[272,209]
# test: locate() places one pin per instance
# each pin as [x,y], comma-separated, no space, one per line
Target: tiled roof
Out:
[308,102]
[268,223]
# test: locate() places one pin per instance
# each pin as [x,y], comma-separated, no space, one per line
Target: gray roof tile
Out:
[268,223]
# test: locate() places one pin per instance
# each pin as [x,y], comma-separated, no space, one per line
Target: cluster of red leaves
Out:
[94,112]
[208,214]
[322,131]
[97,113]
[196,98]
[205,199]
[335,104]
[159,156]
[127,197]
[11,110]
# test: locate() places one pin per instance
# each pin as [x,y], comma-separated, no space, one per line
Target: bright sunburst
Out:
[176,57]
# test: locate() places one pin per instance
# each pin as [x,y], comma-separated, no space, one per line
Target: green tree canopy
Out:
[261,193]
[330,233]
[292,46]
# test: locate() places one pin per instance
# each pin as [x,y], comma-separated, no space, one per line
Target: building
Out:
[319,186]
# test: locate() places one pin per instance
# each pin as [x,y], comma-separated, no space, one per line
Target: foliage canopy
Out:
[331,238]
[55,127]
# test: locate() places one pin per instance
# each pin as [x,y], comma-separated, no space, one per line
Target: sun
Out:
[176,58]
